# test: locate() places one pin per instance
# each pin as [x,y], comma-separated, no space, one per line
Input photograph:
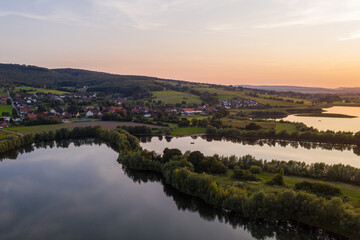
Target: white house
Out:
[89,114]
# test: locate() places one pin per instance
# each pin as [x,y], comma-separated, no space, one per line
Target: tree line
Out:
[331,214]
[315,136]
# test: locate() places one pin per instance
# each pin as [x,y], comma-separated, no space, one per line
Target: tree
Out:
[252,126]
[8,101]
[194,122]
[242,174]
[278,179]
[195,158]
[169,154]
[255,169]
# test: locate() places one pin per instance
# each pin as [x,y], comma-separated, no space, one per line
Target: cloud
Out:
[316,12]
[351,36]
[62,18]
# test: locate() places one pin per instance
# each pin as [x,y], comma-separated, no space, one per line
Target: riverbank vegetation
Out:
[279,200]
[327,115]
[312,135]
[214,180]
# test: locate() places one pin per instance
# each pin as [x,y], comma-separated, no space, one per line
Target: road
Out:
[13,104]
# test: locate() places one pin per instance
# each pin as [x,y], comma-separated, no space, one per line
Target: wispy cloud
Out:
[62,18]
[351,36]
[316,12]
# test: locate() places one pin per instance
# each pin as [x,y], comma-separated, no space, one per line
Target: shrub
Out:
[255,169]
[241,174]
[278,179]
[321,189]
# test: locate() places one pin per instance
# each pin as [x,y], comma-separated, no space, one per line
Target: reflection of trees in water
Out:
[53,144]
[259,229]
[273,143]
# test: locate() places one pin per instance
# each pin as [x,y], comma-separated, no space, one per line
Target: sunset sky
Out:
[271,42]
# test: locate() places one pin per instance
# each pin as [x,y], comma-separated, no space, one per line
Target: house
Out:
[190,111]
[114,109]
[32,116]
[135,110]
[89,114]
[25,110]
[4,124]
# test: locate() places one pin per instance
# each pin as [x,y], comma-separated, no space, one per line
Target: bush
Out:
[278,179]
[321,189]
[255,169]
[241,174]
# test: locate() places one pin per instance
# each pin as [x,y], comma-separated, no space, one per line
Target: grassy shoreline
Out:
[327,115]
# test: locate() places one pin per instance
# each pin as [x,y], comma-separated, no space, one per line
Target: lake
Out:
[260,149]
[335,124]
[77,190]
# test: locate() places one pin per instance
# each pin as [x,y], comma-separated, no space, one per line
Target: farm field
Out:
[173,97]
[33,90]
[5,108]
[262,99]
[45,128]
[187,131]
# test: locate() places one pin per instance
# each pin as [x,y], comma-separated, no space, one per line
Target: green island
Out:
[319,195]
[329,115]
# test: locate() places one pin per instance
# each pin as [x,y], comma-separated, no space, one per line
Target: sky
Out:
[259,42]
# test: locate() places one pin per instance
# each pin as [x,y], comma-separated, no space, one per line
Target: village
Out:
[34,108]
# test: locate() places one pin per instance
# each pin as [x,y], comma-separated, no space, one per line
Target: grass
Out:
[198,117]
[38,129]
[4,134]
[289,127]
[187,131]
[350,192]
[5,108]
[242,123]
[33,90]
[173,97]
[3,92]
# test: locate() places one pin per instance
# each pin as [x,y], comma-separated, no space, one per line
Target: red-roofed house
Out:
[32,116]
[114,109]
[4,124]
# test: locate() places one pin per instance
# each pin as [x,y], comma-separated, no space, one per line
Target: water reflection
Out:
[259,229]
[77,190]
[334,124]
[308,152]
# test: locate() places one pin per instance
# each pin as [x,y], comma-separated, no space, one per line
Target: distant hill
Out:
[309,90]
[125,85]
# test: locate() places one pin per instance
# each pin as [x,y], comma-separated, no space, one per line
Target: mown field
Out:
[53,127]
[3,91]
[278,126]
[187,131]
[5,108]
[33,90]
[173,97]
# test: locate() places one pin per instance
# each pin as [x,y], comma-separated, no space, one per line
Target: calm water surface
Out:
[81,192]
[269,150]
[335,124]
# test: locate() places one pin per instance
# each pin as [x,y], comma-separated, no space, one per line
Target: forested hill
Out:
[125,85]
